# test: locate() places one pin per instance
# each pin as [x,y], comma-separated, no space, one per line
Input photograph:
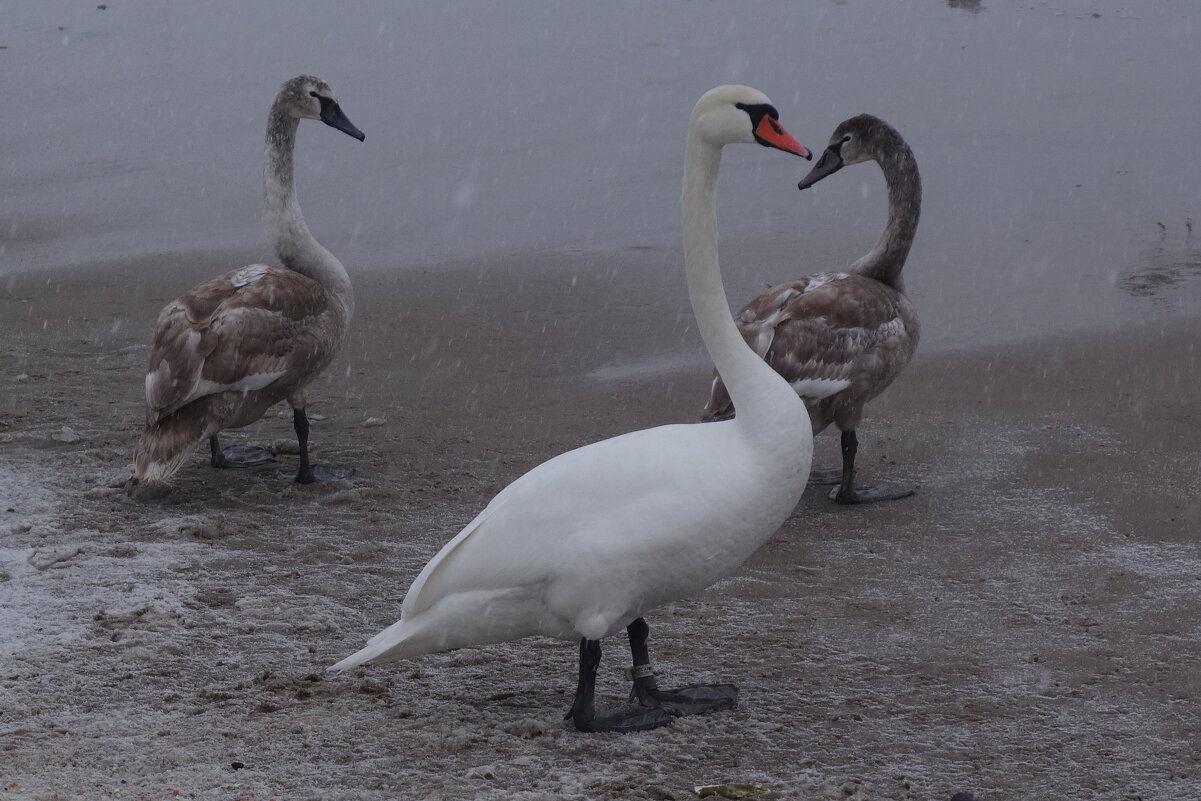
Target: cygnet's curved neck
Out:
[294,244]
[757,391]
[886,260]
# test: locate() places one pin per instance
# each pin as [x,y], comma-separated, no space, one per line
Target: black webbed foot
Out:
[870,494]
[824,476]
[584,715]
[650,707]
[316,473]
[695,699]
[847,493]
[323,473]
[307,474]
[240,456]
[623,721]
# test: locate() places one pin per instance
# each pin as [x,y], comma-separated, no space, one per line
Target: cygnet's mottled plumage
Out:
[233,346]
[841,338]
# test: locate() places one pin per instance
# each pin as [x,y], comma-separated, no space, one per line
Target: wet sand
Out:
[1026,626]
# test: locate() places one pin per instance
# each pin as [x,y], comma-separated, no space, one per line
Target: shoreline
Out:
[1034,605]
[649,274]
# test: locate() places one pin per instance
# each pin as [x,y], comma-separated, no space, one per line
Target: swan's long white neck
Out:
[758,392]
[294,244]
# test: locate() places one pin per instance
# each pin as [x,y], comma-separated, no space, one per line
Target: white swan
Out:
[841,338]
[232,347]
[584,544]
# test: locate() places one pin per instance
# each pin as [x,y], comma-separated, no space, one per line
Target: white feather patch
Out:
[785,296]
[819,387]
[248,383]
[892,328]
[821,279]
[248,275]
[162,372]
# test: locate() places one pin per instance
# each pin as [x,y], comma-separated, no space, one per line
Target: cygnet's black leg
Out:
[216,458]
[695,699]
[307,474]
[847,493]
[237,455]
[583,712]
[300,422]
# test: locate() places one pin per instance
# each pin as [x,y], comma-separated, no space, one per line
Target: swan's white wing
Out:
[635,520]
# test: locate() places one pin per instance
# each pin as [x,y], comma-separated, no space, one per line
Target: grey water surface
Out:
[1057,140]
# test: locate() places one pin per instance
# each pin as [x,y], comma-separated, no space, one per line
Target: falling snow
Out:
[1026,626]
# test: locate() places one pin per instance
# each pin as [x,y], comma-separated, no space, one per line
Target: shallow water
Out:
[1055,140]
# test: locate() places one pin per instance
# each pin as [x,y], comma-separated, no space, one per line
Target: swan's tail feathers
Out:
[166,444]
[463,620]
[387,646]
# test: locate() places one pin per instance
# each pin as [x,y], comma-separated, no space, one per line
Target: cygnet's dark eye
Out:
[314,94]
[846,138]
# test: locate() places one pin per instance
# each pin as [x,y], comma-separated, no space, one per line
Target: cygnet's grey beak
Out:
[331,115]
[828,164]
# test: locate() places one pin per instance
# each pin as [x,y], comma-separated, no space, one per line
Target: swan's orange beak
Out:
[771,133]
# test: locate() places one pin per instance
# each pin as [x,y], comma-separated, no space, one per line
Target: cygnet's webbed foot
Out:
[825,476]
[239,456]
[849,496]
[315,473]
[847,493]
[307,474]
[323,473]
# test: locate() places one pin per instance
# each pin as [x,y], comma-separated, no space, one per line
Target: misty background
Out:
[1056,140]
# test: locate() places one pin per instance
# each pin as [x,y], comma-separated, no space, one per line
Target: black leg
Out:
[583,712]
[216,458]
[640,658]
[652,707]
[583,708]
[846,493]
[308,473]
[300,422]
[850,447]
[695,699]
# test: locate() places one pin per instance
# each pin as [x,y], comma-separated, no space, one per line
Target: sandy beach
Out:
[1026,626]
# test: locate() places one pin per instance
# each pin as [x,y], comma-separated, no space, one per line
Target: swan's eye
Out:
[846,139]
[314,94]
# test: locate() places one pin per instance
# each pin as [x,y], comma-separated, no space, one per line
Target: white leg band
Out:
[639,672]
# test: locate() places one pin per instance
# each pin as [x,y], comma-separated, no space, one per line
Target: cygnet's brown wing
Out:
[241,331]
[827,334]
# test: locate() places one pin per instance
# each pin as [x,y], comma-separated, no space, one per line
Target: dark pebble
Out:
[239,766]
